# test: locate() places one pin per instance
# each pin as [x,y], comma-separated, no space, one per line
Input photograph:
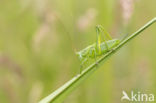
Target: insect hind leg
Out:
[104,31]
[99,30]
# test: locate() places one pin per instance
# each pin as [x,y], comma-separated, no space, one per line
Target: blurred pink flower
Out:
[87,19]
[127,9]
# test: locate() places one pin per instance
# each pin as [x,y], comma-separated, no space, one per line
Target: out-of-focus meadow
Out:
[38,40]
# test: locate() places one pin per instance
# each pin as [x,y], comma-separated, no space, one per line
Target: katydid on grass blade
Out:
[98,48]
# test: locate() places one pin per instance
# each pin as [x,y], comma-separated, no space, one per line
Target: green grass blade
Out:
[58,95]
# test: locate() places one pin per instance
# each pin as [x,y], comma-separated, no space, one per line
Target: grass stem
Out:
[56,96]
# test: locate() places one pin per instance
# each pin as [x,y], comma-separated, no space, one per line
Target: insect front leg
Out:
[82,64]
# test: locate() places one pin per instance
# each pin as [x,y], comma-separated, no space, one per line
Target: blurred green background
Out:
[38,40]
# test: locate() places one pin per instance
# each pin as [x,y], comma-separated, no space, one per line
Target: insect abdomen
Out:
[111,44]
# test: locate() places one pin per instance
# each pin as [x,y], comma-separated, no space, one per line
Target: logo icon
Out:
[125,96]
